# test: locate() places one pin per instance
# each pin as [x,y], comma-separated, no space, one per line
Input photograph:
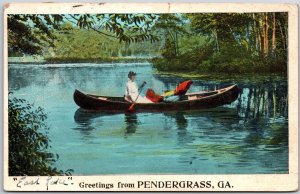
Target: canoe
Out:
[191,101]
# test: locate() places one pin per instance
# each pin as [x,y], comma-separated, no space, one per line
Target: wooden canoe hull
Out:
[117,104]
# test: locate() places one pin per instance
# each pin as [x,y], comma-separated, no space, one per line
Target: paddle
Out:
[131,108]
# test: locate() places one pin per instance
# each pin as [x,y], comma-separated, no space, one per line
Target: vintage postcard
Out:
[150,97]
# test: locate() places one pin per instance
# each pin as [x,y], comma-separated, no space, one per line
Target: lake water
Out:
[247,136]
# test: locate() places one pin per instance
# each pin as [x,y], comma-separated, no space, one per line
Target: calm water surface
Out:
[247,136]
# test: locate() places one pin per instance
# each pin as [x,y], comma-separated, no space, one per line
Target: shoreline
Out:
[85,62]
[224,77]
[62,65]
[21,60]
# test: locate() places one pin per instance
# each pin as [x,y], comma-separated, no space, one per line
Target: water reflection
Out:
[84,119]
[249,135]
[131,122]
[264,100]
[180,121]
[221,119]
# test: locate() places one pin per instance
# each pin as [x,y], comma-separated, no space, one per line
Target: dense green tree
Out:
[28,34]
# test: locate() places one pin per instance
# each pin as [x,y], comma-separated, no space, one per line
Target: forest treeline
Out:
[233,43]
[199,42]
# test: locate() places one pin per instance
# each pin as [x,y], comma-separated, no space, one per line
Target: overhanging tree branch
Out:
[90,27]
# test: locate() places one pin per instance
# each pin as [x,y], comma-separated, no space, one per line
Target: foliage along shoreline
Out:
[183,65]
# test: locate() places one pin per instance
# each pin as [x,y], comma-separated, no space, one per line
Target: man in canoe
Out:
[132,91]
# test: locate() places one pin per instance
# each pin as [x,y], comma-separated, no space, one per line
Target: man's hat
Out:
[131,73]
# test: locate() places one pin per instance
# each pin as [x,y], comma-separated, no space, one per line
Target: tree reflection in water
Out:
[266,100]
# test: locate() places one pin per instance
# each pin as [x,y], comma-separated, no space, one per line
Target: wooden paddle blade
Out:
[131,108]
